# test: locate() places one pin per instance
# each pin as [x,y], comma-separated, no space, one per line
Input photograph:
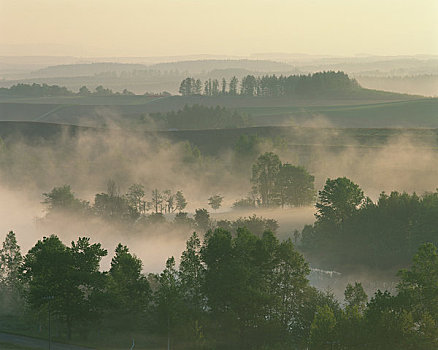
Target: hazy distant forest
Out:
[219,204]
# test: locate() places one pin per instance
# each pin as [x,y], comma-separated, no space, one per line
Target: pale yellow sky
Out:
[231,27]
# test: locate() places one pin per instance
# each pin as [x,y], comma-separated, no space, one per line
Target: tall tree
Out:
[63,199]
[233,86]
[169,201]
[135,197]
[215,201]
[249,86]
[191,276]
[202,219]
[420,282]
[10,262]
[294,186]
[70,276]
[264,176]
[224,86]
[198,87]
[168,299]
[157,201]
[129,290]
[355,296]
[339,200]
[215,87]
[181,202]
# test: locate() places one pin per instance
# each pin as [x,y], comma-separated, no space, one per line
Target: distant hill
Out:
[86,69]
[201,66]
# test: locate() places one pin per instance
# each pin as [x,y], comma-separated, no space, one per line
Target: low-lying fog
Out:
[89,161]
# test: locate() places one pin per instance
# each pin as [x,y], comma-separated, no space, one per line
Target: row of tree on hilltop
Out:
[45,90]
[270,85]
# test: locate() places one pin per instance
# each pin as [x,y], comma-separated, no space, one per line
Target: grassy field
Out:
[371,109]
[299,139]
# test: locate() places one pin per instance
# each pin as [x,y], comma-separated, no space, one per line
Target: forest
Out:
[354,231]
[271,85]
[45,90]
[236,285]
[230,291]
[199,117]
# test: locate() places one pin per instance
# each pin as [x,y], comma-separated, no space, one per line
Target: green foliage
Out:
[244,203]
[405,321]
[264,176]
[201,117]
[271,85]
[238,291]
[215,201]
[168,297]
[135,196]
[294,186]
[420,283]
[70,275]
[253,287]
[63,199]
[10,262]
[322,331]
[202,219]
[382,235]
[11,289]
[35,90]
[182,218]
[256,225]
[191,154]
[280,184]
[129,292]
[44,90]
[113,207]
[180,200]
[191,279]
[247,146]
[355,296]
[339,200]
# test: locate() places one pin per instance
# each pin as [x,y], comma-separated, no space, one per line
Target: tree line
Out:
[45,90]
[230,291]
[271,85]
[134,208]
[273,184]
[200,117]
[352,231]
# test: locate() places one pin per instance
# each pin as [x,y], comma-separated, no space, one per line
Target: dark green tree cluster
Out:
[255,224]
[134,209]
[231,291]
[407,320]
[201,117]
[281,184]
[351,230]
[112,205]
[10,285]
[101,91]
[272,85]
[35,90]
[44,90]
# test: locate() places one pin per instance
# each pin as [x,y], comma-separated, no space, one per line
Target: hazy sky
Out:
[232,27]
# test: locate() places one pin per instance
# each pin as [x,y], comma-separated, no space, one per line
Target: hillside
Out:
[363,109]
[303,140]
